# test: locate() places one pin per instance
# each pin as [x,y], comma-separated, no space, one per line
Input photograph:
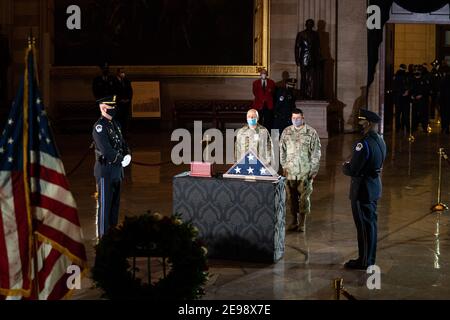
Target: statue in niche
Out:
[307,57]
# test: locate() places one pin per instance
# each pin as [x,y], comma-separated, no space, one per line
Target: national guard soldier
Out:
[420,93]
[299,156]
[112,154]
[284,104]
[254,136]
[364,168]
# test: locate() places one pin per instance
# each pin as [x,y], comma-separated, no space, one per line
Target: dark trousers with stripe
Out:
[108,204]
[365,217]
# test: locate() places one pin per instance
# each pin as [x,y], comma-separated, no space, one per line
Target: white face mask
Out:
[264,76]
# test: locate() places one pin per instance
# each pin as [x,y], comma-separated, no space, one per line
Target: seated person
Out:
[255,137]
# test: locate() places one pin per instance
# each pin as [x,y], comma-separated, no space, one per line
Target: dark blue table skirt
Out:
[237,219]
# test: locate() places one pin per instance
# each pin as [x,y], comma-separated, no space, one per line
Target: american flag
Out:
[250,167]
[38,215]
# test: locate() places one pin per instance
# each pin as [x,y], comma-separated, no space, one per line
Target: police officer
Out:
[124,92]
[402,99]
[284,104]
[444,100]
[435,78]
[112,154]
[299,156]
[420,93]
[103,85]
[364,168]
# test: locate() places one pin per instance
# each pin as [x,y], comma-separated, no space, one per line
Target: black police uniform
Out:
[284,104]
[110,149]
[402,99]
[364,168]
[444,102]
[103,86]
[124,92]
[420,93]
[435,78]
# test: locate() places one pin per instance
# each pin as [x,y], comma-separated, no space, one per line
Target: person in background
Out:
[402,98]
[103,85]
[420,93]
[284,102]
[264,90]
[124,92]
[444,99]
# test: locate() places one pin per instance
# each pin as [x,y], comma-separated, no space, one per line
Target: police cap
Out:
[369,116]
[292,81]
[109,100]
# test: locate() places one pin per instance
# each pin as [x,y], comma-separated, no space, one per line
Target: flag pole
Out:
[25,138]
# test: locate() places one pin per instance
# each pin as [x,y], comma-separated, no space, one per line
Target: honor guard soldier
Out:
[364,168]
[112,155]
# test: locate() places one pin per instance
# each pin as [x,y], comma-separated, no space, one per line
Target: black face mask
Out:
[360,128]
[111,112]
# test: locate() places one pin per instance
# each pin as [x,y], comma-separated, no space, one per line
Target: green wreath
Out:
[151,235]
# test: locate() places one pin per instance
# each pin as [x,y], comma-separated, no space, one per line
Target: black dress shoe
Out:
[355,264]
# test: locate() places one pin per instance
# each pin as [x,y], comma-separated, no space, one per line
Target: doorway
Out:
[410,38]
[411,44]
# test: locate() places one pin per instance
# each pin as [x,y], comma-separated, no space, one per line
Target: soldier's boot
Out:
[302,223]
[293,226]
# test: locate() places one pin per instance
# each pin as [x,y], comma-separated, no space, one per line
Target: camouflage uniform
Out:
[299,157]
[258,140]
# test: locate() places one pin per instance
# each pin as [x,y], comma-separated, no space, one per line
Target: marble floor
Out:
[413,247]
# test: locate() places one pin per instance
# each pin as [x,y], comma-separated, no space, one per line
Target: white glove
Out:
[126,161]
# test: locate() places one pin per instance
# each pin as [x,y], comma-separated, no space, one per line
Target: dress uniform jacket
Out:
[365,168]
[263,96]
[110,149]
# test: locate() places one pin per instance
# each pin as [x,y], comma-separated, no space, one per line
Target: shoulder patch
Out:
[99,128]
[359,147]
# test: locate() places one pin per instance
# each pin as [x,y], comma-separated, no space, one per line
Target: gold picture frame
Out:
[261,39]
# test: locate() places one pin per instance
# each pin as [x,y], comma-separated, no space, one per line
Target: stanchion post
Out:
[411,137]
[439,206]
[337,284]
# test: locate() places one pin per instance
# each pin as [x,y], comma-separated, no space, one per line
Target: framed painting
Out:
[163,37]
[146,99]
